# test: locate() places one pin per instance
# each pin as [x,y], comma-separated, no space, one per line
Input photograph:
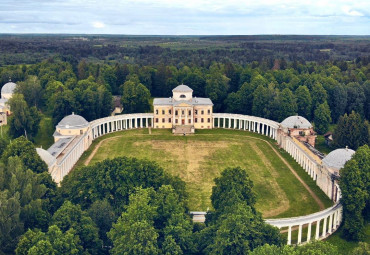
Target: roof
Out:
[193,101]
[337,158]
[46,156]
[8,88]
[182,88]
[73,121]
[296,122]
[59,146]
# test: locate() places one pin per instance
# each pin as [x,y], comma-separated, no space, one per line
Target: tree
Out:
[54,241]
[351,131]
[240,229]
[231,187]
[304,101]
[216,89]
[102,213]
[322,118]
[25,120]
[338,102]
[31,90]
[287,104]
[356,98]
[70,216]
[319,95]
[196,81]
[64,105]
[26,151]
[10,224]
[135,97]
[354,184]
[114,180]
[134,232]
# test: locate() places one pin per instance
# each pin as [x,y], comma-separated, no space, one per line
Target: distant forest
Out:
[182,50]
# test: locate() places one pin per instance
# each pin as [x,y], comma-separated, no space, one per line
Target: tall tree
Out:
[25,120]
[70,216]
[135,98]
[319,95]
[287,104]
[26,151]
[134,232]
[304,101]
[231,187]
[32,91]
[216,89]
[338,102]
[352,131]
[355,186]
[322,118]
[356,98]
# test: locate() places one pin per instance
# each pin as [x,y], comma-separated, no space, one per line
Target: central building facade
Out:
[182,112]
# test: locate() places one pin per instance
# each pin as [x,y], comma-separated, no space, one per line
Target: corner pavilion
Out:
[183,112]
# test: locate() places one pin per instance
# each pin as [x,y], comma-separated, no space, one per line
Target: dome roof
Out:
[182,88]
[337,158]
[296,122]
[8,88]
[73,121]
[46,156]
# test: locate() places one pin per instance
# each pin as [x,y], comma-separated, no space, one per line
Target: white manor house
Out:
[184,113]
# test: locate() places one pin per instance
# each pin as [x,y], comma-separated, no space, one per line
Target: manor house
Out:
[183,112]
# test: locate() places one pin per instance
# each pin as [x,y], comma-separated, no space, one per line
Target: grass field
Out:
[199,158]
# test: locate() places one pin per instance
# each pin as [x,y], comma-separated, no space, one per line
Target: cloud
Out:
[98,24]
[186,17]
[348,11]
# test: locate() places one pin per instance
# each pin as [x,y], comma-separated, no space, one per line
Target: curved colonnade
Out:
[330,218]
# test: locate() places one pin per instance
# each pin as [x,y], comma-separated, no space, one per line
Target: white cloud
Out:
[98,24]
[348,11]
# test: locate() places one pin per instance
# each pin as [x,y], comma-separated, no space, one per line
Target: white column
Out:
[317,230]
[330,228]
[299,234]
[309,232]
[229,122]
[245,125]
[324,228]
[289,235]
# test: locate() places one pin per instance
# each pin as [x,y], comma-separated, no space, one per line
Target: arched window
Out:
[182,96]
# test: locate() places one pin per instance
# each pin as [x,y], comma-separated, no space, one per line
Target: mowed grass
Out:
[200,158]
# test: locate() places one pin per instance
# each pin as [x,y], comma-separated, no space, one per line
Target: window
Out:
[81,132]
[209,120]
[195,111]
[202,120]
[209,111]
[196,120]
[176,121]
[163,120]
[189,121]
[182,96]
[170,111]
[183,112]
[156,120]
[156,111]
[176,112]
[202,112]
[163,112]
[189,112]
[169,120]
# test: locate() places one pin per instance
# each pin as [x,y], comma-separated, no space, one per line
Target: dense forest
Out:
[131,206]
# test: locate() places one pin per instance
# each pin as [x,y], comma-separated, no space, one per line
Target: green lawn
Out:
[199,158]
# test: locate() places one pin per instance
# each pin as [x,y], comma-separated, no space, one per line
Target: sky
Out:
[186,17]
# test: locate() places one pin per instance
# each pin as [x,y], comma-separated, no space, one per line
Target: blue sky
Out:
[186,17]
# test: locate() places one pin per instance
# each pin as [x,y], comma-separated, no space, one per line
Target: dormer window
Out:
[182,96]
